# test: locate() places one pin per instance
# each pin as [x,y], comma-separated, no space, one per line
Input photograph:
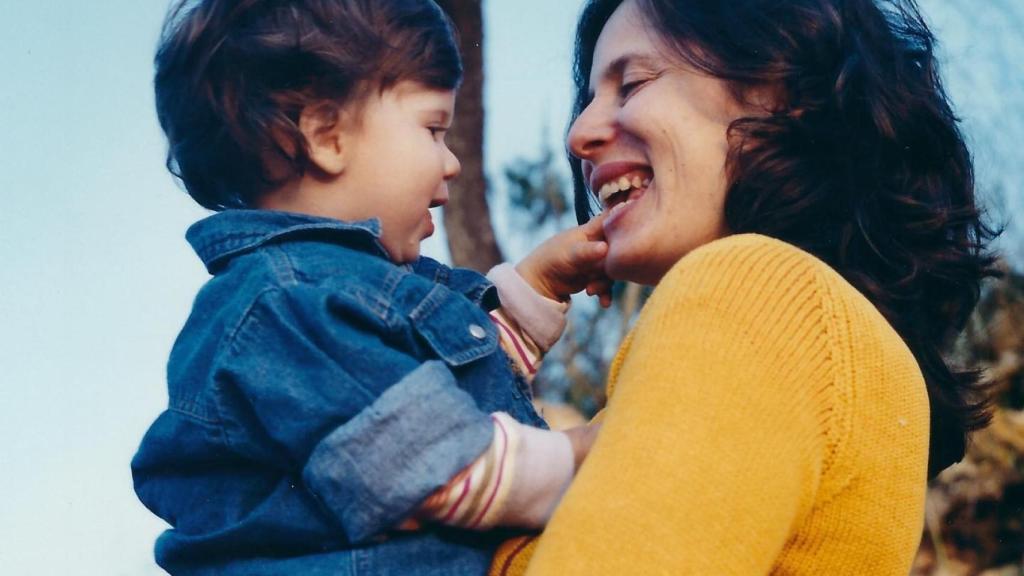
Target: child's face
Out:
[398,165]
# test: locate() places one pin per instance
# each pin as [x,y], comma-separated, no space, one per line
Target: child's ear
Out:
[321,125]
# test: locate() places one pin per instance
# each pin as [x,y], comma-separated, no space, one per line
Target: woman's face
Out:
[653,145]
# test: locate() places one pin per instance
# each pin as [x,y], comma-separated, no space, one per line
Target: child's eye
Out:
[437,131]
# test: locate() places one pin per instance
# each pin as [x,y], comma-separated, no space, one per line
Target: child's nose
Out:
[452,166]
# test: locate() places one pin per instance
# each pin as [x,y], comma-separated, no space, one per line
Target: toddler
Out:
[337,403]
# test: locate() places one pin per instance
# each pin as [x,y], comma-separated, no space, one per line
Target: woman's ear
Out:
[322,127]
[765,99]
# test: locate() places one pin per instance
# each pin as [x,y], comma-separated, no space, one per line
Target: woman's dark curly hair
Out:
[861,163]
[233,76]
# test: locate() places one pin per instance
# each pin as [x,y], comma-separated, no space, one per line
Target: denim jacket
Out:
[317,394]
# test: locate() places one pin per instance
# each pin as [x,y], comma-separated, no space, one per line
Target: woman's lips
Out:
[619,186]
[610,173]
[620,208]
[620,190]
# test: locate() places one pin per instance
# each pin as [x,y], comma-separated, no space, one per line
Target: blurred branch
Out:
[537,187]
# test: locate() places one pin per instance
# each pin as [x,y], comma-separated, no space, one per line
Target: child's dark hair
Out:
[233,76]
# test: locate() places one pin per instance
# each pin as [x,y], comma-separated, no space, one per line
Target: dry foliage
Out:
[975,512]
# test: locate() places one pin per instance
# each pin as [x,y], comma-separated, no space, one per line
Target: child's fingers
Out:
[586,254]
[593,229]
[602,288]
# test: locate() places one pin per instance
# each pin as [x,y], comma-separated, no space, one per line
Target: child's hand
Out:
[582,439]
[569,262]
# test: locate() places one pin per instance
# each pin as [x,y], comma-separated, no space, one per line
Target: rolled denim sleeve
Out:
[372,471]
[370,428]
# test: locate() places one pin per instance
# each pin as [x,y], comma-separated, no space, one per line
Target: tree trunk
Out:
[467,220]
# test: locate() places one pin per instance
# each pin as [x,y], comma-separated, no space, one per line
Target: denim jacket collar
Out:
[225,235]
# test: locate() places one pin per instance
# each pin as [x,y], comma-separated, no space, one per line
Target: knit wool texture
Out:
[763,418]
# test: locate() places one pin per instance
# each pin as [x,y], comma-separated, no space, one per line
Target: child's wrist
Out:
[543,470]
[537,282]
[542,318]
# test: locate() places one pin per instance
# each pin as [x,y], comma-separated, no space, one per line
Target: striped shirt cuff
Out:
[541,319]
[475,497]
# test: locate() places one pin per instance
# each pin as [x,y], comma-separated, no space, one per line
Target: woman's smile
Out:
[617,186]
[619,204]
[653,152]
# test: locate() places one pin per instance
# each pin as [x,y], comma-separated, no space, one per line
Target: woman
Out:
[791,177]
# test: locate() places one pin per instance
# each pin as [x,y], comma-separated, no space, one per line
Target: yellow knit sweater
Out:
[763,418]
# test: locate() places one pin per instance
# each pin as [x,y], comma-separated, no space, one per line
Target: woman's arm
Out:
[719,427]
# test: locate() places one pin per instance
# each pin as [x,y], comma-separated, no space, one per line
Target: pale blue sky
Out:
[96,279]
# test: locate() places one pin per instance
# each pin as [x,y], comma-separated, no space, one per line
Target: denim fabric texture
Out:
[317,394]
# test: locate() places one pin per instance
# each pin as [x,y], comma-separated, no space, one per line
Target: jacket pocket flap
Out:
[456,329]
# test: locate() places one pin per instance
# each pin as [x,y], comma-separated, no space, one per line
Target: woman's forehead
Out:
[627,39]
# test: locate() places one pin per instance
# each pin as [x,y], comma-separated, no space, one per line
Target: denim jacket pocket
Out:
[456,329]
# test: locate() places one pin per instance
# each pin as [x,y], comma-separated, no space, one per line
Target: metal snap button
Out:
[477,331]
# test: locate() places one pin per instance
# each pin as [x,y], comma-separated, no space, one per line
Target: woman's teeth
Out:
[623,184]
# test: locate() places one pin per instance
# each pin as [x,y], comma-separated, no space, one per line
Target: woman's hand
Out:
[568,262]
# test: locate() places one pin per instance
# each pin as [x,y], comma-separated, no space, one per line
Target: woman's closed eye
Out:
[437,132]
[627,89]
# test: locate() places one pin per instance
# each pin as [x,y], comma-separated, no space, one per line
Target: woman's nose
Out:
[593,128]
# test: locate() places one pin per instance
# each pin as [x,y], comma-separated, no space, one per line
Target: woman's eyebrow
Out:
[618,66]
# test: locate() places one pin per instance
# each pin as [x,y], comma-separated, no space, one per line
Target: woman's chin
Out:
[632,266]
